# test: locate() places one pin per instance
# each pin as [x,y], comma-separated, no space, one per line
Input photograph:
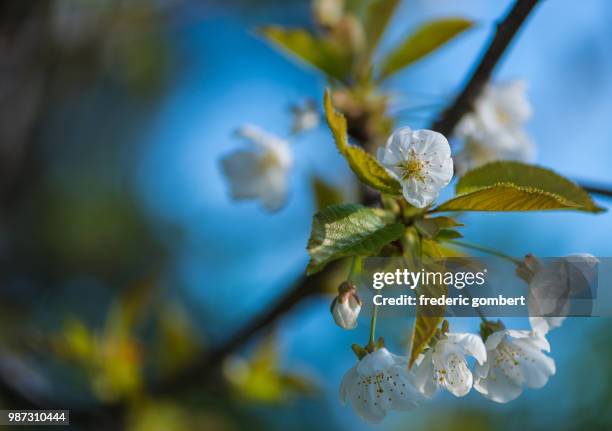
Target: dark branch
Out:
[206,365]
[597,189]
[506,30]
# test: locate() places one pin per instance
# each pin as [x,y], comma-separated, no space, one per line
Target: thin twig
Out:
[206,365]
[506,30]
[597,189]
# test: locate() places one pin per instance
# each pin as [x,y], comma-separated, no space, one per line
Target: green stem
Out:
[485,250]
[355,271]
[478,310]
[372,342]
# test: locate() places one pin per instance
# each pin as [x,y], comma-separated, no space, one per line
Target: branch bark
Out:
[464,102]
[205,366]
[597,189]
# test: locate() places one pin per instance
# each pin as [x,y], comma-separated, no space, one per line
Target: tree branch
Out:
[597,189]
[206,365]
[306,287]
[506,30]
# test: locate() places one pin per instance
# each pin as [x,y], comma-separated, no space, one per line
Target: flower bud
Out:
[528,267]
[327,13]
[346,306]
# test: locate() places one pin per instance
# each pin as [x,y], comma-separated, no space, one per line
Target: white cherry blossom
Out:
[551,286]
[259,171]
[514,360]
[346,306]
[502,105]
[481,147]
[380,382]
[305,117]
[494,130]
[421,161]
[328,12]
[444,364]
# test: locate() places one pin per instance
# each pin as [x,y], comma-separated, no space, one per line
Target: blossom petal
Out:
[498,387]
[471,344]
[542,325]
[372,410]
[403,392]
[348,381]
[535,366]
[424,375]
[494,339]
[431,144]
[389,159]
[450,368]
[274,194]
[377,361]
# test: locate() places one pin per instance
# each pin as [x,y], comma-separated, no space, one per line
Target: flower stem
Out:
[355,271]
[372,343]
[485,250]
[478,310]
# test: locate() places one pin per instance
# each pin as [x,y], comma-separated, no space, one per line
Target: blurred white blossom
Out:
[552,284]
[514,360]
[328,12]
[346,306]
[494,130]
[421,161]
[380,382]
[305,117]
[259,171]
[444,364]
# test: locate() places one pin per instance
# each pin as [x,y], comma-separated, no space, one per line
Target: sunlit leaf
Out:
[423,41]
[348,230]
[524,175]
[448,234]
[445,222]
[176,340]
[515,186]
[76,342]
[160,414]
[427,227]
[366,167]
[424,328]
[377,17]
[428,317]
[325,194]
[260,378]
[315,51]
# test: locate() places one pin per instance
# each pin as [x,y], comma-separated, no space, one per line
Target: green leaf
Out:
[448,234]
[423,41]
[446,222]
[366,167]
[428,317]
[515,186]
[348,230]
[424,328]
[524,175]
[427,227]
[318,52]
[325,194]
[438,227]
[377,17]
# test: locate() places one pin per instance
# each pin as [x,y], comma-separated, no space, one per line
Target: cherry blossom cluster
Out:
[505,360]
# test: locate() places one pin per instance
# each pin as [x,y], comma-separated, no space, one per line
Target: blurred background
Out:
[124,264]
